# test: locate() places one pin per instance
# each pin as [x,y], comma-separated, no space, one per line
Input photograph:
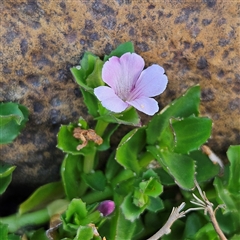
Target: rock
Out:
[41,40]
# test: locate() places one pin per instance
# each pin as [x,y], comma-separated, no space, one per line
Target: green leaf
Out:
[227,187]
[5,176]
[182,107]
[207,233]
[4,231]
[140,199]
[6,170]
[95,180]
[235,237]
[71,171]
[106,137]
[84,232]
[42,197]
[119,227]
[13,118]
[191,133]
[164,176]
[225,195]
[75,215]
[180,167]
[39,234]
[91,102]
[202,163]
[68,143]
[120,50]
[193,224]
[129,148]
[15,237]
[152,187]
[155,204]
[95,78]
[112,168]
[130,210]
[233,154]
[127,117]
[80,73]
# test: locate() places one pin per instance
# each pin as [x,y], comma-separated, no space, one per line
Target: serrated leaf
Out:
[129,148]
[84,232]
[180,167]
[155,204]
[139,198]
[130,210]
[42,197]
[202,163]
[120,50]
[75,215]
[182,107]
[191,133]
[71,171]
[152,187]
[95,180]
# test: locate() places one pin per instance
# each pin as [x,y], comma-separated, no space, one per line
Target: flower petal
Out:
[146,105]
[122,73]
[151,83]
[109,99]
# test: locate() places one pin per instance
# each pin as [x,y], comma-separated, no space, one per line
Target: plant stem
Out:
[88,164]
[123,175]
[215,223]
[97,196]
[17,221]
[101,127]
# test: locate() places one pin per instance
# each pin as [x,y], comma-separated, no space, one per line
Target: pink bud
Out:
[106,207]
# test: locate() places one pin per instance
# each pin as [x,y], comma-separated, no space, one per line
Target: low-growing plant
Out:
[161,181]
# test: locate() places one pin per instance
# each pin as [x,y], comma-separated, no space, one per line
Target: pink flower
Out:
[130,85]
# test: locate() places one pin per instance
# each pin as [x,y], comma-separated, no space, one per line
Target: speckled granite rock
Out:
[197,42]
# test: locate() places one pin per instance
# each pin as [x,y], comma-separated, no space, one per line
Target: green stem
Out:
[17,221]
[89,160]
[88,164]
[93,197]
[101,127]
[123,175]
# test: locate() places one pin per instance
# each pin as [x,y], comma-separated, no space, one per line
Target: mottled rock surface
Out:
[197,42]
